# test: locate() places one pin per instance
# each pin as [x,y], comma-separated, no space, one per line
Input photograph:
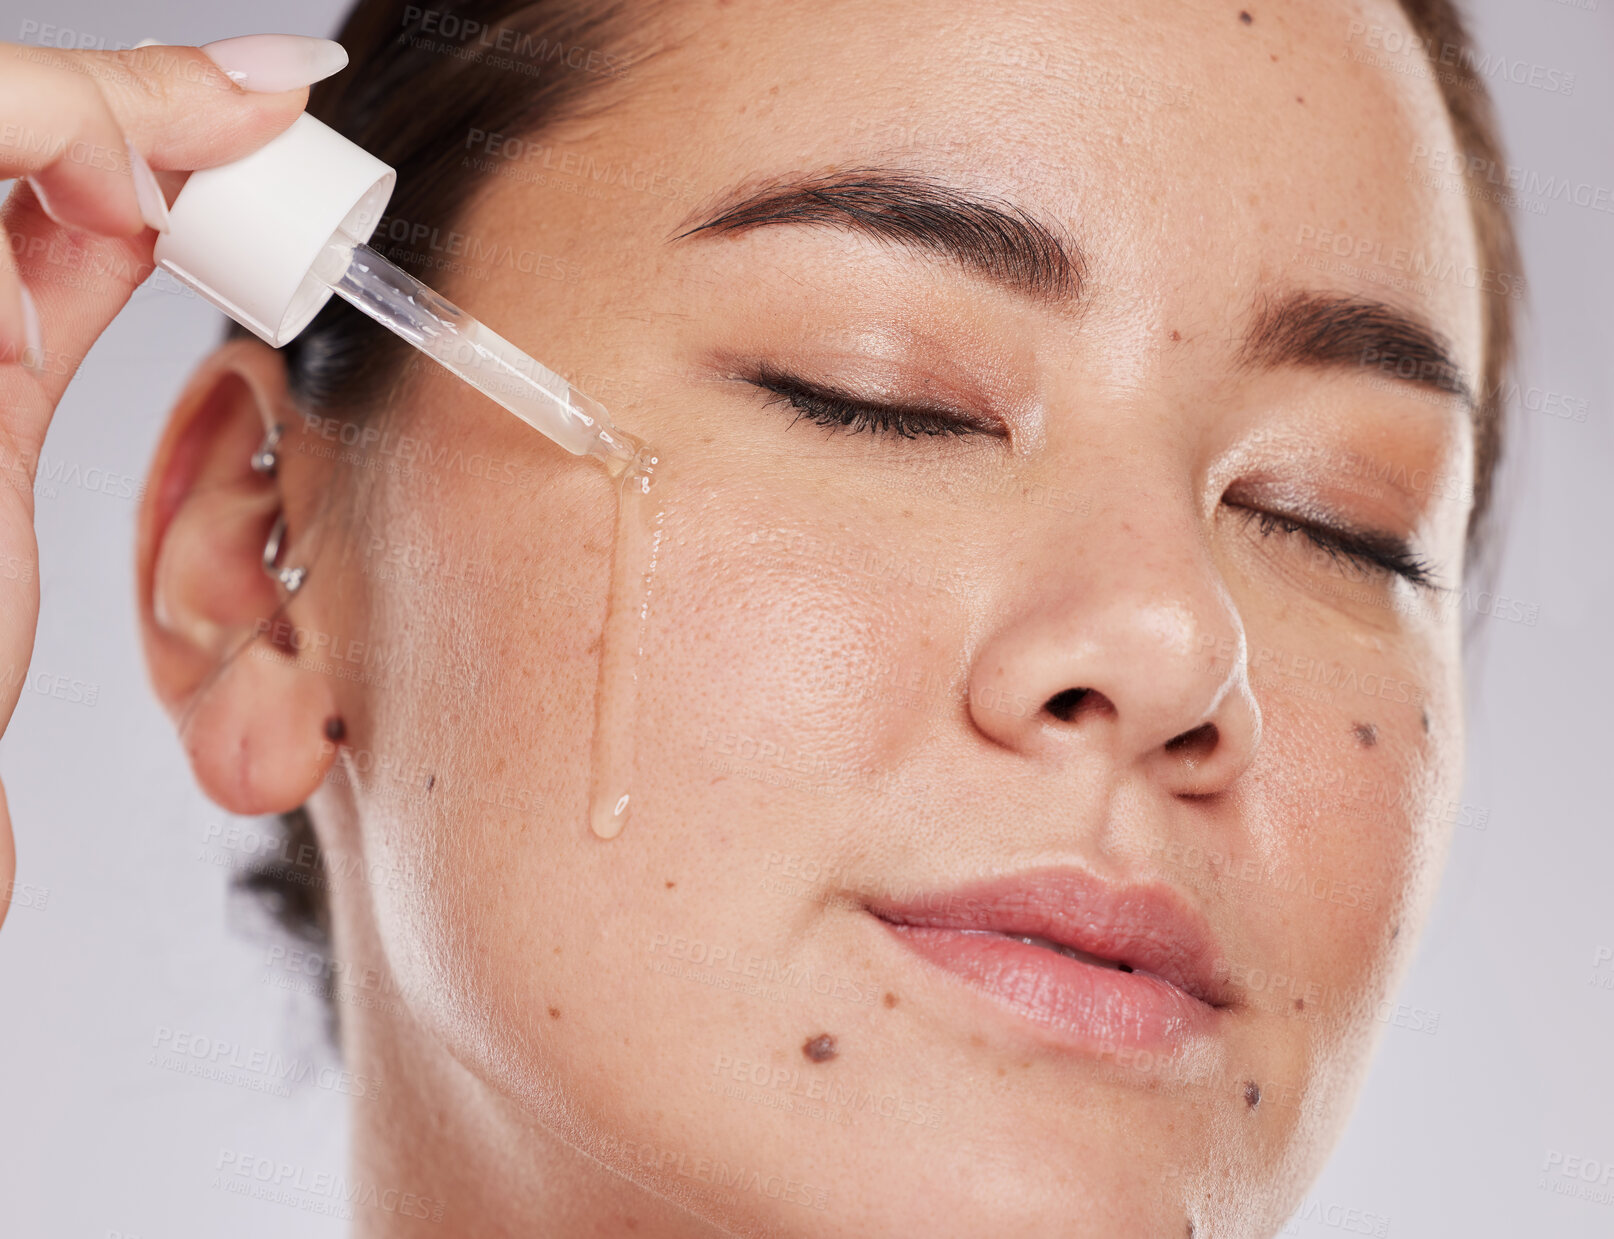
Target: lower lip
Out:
[1076,1005]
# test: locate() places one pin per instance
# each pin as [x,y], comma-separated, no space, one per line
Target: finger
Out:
[78,282]
[180,107]
[82,126]
[20,338]
[8,857]
[67,142]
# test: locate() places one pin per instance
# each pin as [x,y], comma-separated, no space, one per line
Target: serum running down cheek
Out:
[270,238]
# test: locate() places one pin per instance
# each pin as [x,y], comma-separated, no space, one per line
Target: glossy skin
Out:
[555,1053]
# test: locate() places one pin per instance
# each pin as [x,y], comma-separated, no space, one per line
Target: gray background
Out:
[1499,1055]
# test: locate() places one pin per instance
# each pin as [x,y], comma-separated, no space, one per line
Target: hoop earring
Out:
[291,578]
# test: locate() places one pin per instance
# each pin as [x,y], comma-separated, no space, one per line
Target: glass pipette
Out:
[480,356]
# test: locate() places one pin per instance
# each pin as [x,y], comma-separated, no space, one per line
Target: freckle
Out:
[431,782]
[1274,57]
[977,1041]
[1252,1094]
[1245,17]
[1176,336]
[1002,1071]
[1426,720]
[819,1049]
[1300,98]
[1367,733]
[1300,1004]
[1395,932]
[554,1013]
[671,885]
[890,999]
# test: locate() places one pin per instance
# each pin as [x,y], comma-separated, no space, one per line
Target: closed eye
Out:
[1372,551]
[838,410]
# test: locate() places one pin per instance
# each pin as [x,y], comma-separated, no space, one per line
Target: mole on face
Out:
[1395,931]
[890,999]
[1426,720]
[1366,734]
[335,729]
[1245,17]
[1300,1004]
[431,782]
[1252,1094]
[819,1049]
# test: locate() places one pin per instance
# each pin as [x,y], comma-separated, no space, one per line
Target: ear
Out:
[252,721]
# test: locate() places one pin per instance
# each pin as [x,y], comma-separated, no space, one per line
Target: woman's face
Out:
[1139,661]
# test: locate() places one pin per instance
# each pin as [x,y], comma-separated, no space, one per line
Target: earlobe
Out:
[250,717]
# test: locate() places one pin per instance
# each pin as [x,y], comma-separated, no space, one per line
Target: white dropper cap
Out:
[268,239]
[246,235]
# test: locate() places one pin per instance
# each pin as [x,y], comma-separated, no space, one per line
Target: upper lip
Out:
[1146,927]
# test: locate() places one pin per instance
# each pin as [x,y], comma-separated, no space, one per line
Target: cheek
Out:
[780,647]
[1345,831]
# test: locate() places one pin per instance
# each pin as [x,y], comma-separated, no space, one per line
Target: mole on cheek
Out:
[819,1049]
[1252,1094]
[1366,734]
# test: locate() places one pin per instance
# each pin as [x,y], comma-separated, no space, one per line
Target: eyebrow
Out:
[997,240]
[1334,330]
[1009,246]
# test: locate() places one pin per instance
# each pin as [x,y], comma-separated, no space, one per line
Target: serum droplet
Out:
[633,568]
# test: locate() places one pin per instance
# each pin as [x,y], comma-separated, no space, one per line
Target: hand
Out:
[83,132]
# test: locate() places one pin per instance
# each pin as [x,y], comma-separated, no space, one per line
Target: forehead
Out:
[1195,157]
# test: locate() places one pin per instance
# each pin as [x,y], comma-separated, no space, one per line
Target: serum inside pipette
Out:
[578,423]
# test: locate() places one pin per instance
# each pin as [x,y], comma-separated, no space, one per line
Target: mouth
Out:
[1089,965]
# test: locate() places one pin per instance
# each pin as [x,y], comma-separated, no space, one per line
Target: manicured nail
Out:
[33,351]
[44,202]
[274,62]
[153,206]
[148,43]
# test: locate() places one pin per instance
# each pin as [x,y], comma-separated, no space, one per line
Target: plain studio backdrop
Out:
[1488,1109]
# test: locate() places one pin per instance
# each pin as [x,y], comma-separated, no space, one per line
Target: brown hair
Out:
[421,81]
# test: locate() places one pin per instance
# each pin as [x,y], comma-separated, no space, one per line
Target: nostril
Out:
[1196,744]
[1064,705]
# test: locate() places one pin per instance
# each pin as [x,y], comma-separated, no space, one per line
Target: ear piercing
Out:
[291,578]
[264,459]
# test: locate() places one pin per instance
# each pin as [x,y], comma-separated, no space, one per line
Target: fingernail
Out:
[273,62]
[148,43]
[33,351]
[153,206]
[44,202]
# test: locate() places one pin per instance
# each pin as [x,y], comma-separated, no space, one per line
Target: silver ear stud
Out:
[264,459]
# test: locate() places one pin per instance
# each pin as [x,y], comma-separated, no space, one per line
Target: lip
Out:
[1168,993]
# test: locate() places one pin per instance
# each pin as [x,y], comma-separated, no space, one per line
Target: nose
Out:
[1123,646]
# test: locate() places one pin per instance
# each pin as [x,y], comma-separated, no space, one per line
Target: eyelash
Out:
[1343,545]
[837,412]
